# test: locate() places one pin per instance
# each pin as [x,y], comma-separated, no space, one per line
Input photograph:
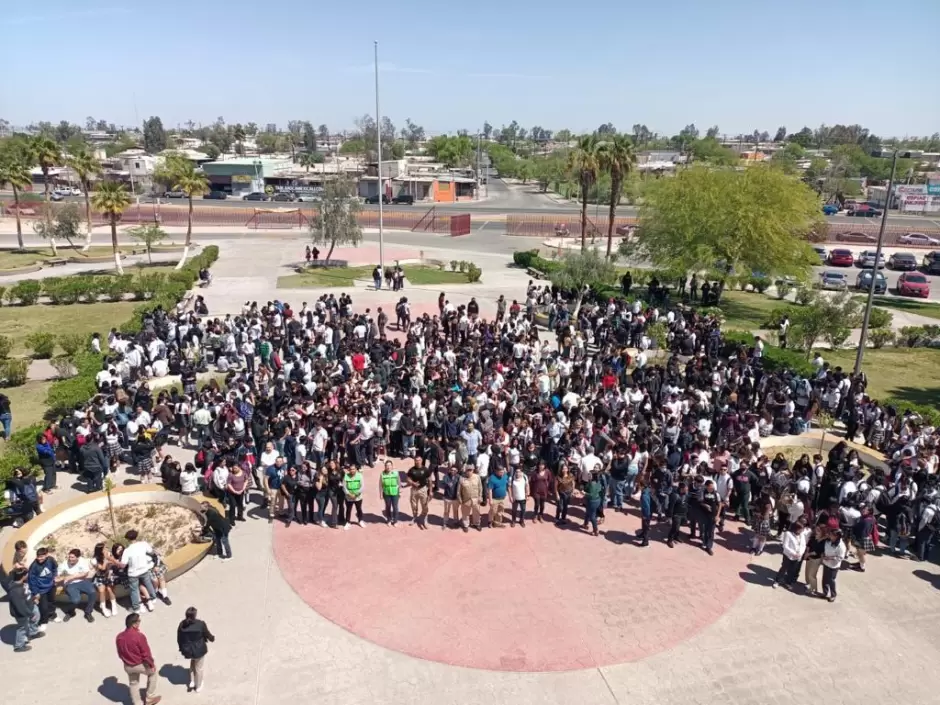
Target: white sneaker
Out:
[57,618]
[105,612]
[197,690]
[148,605]
[361,525]
[41,628]
[323,524]
[345,527]
[192,685]
[136,611]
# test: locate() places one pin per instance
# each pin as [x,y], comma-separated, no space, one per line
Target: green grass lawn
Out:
[10,259]
[320,277]
[421,274]
[910,374]
[921,308]
[747,310]
[28,403]
[18,322]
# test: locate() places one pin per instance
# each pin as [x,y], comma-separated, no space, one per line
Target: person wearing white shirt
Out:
[75,578]
[833,555]
[138,557]
[189,480]
[588,465]
[794,547]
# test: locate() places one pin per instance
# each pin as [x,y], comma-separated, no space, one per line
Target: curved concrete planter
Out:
[35,531]
[810,441]
[25,269]
[92,260]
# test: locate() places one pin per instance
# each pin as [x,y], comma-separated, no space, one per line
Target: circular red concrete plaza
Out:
[538,598]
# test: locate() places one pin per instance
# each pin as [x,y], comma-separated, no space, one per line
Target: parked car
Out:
[625,230]
[849,204]
[833,281]
[56,196]
[216,195]
[841,258]
[821,251]
[284,197]
[866,259]
[902,262]
[918,239]
[256,196]
[865,277]
[830,209]
[174,194]
[404,199]
[68,191]
[310,198]
[375,199]
[864,211]
[913,284]
[862,238]
[931,263]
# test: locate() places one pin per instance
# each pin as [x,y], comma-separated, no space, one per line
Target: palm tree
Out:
[14,170]
[112,200]
[85,165]
[46,153]
[307,159]
[192,183]
[616,157]
[583,162]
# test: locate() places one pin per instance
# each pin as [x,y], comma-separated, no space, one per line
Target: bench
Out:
[55,262]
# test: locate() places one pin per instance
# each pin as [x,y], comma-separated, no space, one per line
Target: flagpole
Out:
[378,139]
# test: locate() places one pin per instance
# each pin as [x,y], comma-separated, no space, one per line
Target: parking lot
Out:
[891,275]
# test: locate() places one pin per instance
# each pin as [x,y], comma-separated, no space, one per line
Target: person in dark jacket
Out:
[24,487]
[94,463]
[220,528]
[46,454]
[678,511]
[42,574]
[192,637]
[646,513]
[24,611]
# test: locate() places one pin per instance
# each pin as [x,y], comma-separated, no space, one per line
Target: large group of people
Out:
[316,408]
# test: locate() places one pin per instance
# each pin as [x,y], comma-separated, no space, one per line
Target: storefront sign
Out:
[305,189]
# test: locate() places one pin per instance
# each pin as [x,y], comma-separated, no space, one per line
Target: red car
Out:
[913,284]
[841,258]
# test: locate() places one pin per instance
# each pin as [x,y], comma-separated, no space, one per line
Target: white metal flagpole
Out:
[378,139]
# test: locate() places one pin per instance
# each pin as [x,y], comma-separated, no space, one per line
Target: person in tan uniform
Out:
[469,494]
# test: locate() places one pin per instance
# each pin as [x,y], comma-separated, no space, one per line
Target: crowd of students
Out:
[492,411]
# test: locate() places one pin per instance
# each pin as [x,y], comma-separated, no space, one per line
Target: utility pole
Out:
[478,166]
[378,139]
[863,338]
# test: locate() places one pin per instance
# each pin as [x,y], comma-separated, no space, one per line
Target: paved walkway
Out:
[538,615]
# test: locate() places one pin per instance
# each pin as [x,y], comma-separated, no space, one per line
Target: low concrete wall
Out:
[35,531]
[810,440]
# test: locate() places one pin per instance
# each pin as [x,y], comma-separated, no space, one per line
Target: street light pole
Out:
[874,275]
[378,139]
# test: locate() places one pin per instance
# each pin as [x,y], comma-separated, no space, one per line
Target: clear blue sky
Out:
[740,64]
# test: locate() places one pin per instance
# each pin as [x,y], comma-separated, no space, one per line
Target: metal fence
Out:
[548,225]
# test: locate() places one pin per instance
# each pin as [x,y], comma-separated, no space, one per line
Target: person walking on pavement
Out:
[134,652]
[24,611]
[220,528]
[192,637]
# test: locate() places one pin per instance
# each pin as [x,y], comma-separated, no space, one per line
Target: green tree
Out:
[579,270]
[309,137]
[46,153]
[308,159]
[825,317]
[154,135]
[755,219]
[84,164]
[65,225]
[238,132]
[617,158]
[710,151]
[213,152]
[193,183]
[804,138]
[583,165]
[335,222]
[149,235]
[111,200]
[14,172]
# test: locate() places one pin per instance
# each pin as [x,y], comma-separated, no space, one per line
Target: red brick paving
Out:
[516,599]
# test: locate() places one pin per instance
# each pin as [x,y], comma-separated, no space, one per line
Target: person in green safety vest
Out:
[390,487]
[352,487]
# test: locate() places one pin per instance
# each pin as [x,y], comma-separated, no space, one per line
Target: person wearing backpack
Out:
[927,526]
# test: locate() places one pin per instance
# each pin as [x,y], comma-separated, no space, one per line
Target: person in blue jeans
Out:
[24,611]
[75,578]
[220,528]
[593,496]
[497,485]
[6,416]
[646,514]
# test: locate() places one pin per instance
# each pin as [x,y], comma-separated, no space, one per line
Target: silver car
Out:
[866,260]
[833,281]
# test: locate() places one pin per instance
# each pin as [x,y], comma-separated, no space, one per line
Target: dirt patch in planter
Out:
[167,527]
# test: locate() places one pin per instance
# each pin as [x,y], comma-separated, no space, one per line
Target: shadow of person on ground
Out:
[758,575]
[175,674]
[114,691]
[931,578]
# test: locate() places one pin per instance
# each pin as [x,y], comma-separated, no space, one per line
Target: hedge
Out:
[774,358]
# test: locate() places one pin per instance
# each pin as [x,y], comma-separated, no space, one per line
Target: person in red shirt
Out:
[358,362]
[134,652]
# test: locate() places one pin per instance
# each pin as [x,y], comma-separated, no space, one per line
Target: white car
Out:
[918,239]
[833,281]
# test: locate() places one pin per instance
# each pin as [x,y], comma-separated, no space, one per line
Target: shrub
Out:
[805,296]
[462,266]
[759,284]
[880,337]
[880,318]
[25,292]
[774,316]
[62,291]
[783,289]
[929,414]
[14,371]
[114,288]
[6,345]
[524,258]
[3,291]
[473,272]
[72,343]
[42,344]
[186,277]
[453,265]
[912,336]
[837,335]
[63,366]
